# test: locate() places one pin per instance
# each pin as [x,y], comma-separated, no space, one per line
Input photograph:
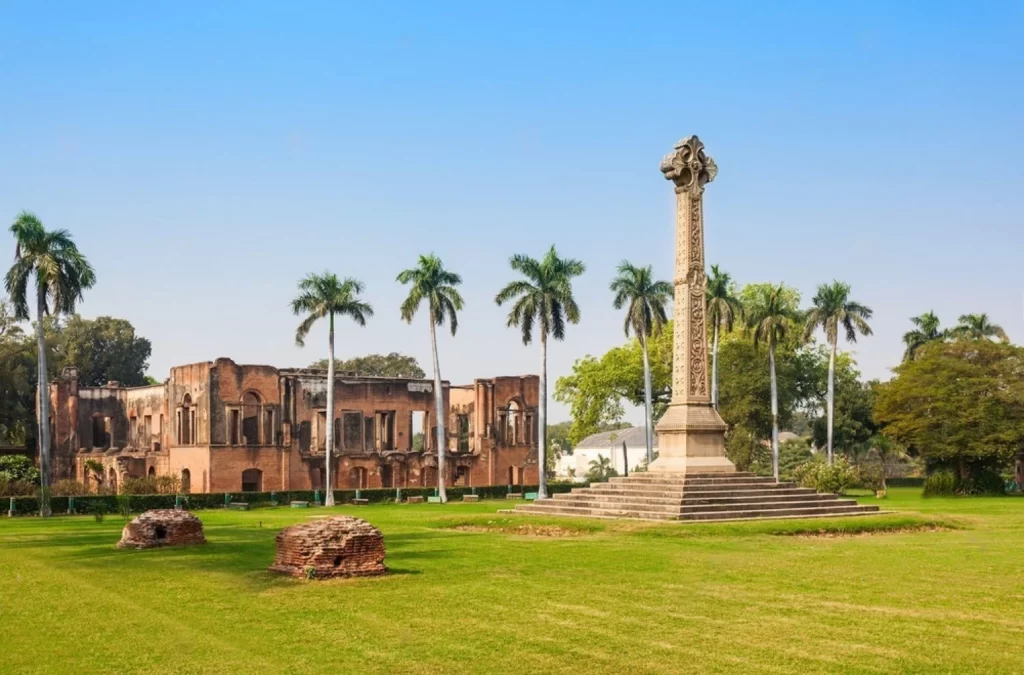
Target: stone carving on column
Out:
[691,435]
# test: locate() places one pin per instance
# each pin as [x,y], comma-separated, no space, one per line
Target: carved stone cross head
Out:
[688,166]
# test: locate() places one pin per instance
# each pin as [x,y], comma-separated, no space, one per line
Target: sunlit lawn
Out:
[615,597]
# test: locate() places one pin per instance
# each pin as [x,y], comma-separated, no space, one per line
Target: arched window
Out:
[250,418]
[186,422]
[513,436]
[186,481]
[152,472]
[252,480]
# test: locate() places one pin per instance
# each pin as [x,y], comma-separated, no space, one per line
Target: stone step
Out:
[654,491]
[758,497]
[674,509]
[767,504]
[753,513]
[729,481]
[632,498]
[546,507]
[761,485]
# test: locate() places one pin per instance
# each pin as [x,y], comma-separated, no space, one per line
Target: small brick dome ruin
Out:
[324,548]
[162,527]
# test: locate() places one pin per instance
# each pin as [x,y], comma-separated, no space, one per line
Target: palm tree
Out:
[978,327]
[431,281]
[61,274]
[645,299]
[544,297]
[723,310]
[926,330]
[600,469]
[833,309]
[769,318]
[324,295]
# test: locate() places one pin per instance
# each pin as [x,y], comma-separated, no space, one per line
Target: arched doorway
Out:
[316,481]
[515,417]
[387,477]
[152,472]
[252,480]
[186,421]
[429,476]
[250,418]
[186,481]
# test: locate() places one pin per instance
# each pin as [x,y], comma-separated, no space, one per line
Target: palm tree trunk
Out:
[775,411]
[45,468]
[329,498]
[831,395]
[542,419]
[439,412]
[647,402]
[714,369]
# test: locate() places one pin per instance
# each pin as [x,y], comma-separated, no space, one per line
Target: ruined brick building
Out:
[224,427]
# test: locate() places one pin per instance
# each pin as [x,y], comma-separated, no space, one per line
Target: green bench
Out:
[530,496]
[433,500]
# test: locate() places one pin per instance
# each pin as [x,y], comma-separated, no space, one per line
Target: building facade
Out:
[223,427]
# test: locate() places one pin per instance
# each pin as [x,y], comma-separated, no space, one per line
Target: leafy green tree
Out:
[724,308]
[978,327]
[18,468]
[543,297]
[926,330]
[429,281]
[103,349]
[833,310]
[600,470]
[957,405]
[323,296]
[596,388]
[16,381]
[771,315]
[61,273]
[644,298]
[853,419]
[377,365]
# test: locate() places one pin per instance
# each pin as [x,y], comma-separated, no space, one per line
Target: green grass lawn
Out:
[469,592]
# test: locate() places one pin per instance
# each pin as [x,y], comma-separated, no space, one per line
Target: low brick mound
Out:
[162,527]
[340,546]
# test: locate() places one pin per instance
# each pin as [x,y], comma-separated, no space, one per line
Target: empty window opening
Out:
[357,478]
[252,480]
[305,437]
[429,476]
[101,432]
[234,424]
[513,432]
[502,427]
[462,475]
[250,418]
[419,440]
[152,472]
[161,532]
[386,477]
[511,475]
[337,560]
[462,428]
[384,428]
[352,437]
[133,432]
[147,431]
[186,481]
[316,481]
[321,430]
[269,437]
[368,433]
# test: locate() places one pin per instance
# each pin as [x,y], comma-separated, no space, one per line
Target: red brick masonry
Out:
[162,527]
[340,546]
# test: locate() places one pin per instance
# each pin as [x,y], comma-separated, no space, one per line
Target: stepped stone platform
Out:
[695,497]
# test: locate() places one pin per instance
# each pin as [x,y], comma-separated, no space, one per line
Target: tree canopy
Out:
[957,404]
[377,365]
[103,349]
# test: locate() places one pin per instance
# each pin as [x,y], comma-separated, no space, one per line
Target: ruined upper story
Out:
[221,403]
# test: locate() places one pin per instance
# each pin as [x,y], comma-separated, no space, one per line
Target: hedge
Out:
[904,482]
[87,504]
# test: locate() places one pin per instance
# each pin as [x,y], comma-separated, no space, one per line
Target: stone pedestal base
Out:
[691,439]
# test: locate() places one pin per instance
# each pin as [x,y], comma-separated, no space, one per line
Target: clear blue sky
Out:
[208,155]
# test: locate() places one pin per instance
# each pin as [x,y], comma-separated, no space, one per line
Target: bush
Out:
[69,488]
[17,488]
[819,475]
[793,454]
[940,484]
[18,468]
[871,476]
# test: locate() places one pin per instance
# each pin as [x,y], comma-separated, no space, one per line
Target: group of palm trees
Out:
[927,330]
[769,317]
[541,300]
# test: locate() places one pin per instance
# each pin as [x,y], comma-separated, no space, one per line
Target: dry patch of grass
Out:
[528,527]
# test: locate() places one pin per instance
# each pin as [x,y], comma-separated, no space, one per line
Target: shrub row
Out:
[109,503]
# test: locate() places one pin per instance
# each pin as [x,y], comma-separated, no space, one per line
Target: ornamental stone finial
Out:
[688,166]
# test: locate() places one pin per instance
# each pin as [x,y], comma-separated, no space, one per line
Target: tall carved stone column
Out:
[691,435]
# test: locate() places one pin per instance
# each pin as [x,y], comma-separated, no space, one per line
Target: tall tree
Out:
[644,298]
[724,307]
[430,281]
[61,273]
[926,329]
[770,316]
[979,327]
[103,349]
[833,309]
[320,296]
[543,297]
[377,365]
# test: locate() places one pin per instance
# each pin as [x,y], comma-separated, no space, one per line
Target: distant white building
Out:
[606,444]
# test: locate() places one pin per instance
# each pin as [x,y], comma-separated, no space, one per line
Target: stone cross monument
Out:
[691,435]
